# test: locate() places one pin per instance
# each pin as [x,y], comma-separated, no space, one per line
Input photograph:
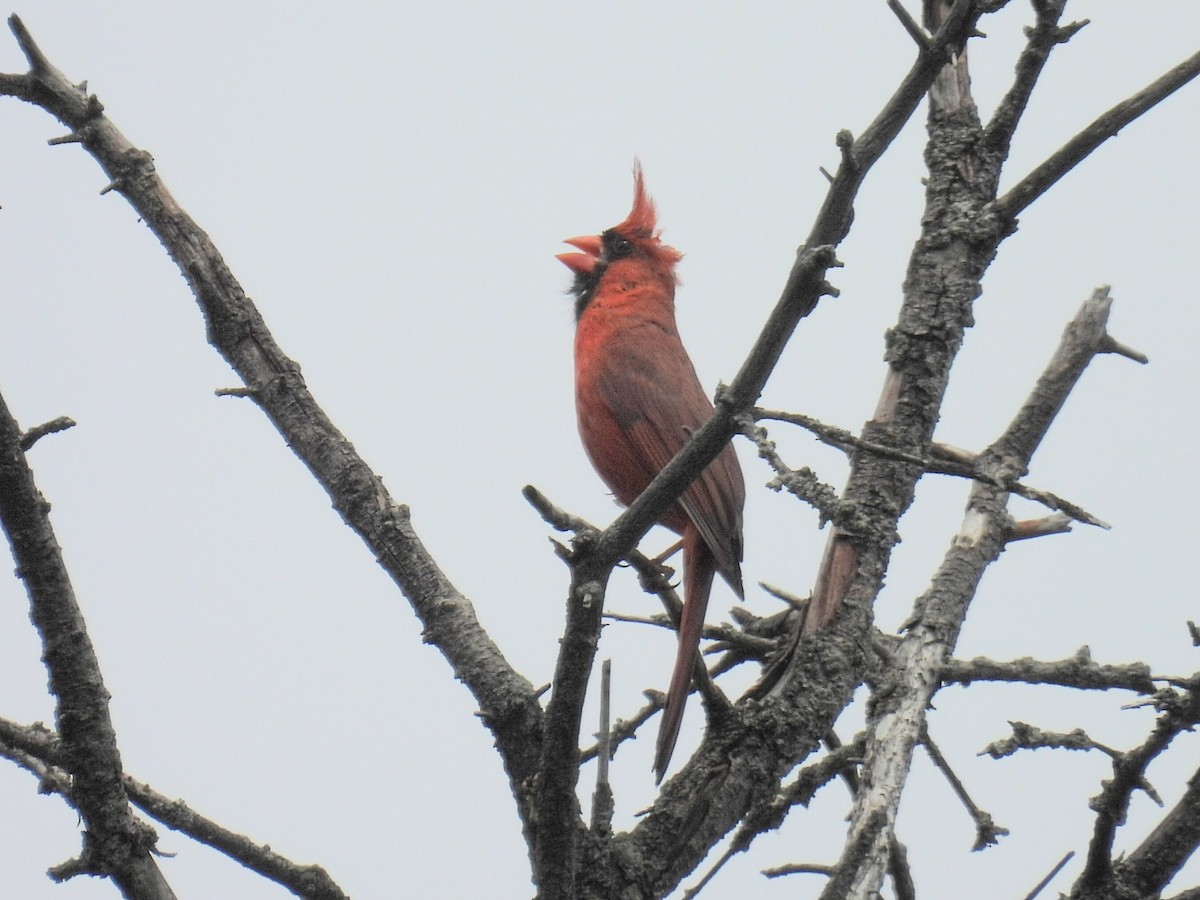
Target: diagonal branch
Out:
[803,788]
[508,705]
[1041,40]
[115,843]
[1081,146]
[40,751]
[1160,856]
[801,483]
[987,832]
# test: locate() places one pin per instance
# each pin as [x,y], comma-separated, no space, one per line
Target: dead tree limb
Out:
[898,715]
[116,844]
[508,705]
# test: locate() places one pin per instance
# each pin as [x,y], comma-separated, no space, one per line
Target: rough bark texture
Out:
[116,844]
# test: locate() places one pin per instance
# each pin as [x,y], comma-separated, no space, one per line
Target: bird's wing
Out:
[659,403]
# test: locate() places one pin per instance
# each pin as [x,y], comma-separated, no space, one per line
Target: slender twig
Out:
[725,637]
[1041,885]
[911,25]
[799,869]
[1037,182]
[51,779]
[801,483]
[795,602]
[40,751]
[839,437]
[945,462]
[1040,42]
[626,729]
[1112,345]
[810,779]
[1055,502]
[987,832]
[1027,529]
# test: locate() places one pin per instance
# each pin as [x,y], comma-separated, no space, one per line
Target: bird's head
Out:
[633,243]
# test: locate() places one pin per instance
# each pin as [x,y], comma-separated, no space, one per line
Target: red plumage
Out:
[638,399]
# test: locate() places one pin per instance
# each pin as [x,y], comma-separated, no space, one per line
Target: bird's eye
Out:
[621,246]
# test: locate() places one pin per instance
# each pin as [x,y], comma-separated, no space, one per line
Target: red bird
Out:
[638,399]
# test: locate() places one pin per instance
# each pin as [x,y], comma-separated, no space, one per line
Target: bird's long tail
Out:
[699,566]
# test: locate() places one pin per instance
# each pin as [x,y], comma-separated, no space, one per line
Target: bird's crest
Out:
[641,224]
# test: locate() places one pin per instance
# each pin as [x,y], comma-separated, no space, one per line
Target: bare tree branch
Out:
[1058,867]
[911,25]
[116,844]
[308,881]
[626,729]
[800,483]
[987,832]
[235,328]
[941,461]
[41,752]
[1028,737]
[1078,671]
[37,432]
[1041,39]
[1037,182]
[1027,529]
[899,713]
[749,746]
[769,817]
[602,797]
[1162,854]
[1160,860]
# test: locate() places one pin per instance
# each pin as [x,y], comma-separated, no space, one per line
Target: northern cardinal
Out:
[638,399]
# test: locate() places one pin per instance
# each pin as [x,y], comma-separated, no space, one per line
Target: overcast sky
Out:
[390,182]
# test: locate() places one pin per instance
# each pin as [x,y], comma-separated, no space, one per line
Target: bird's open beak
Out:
[582,263]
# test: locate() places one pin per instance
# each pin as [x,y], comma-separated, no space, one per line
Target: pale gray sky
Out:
[390,183]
